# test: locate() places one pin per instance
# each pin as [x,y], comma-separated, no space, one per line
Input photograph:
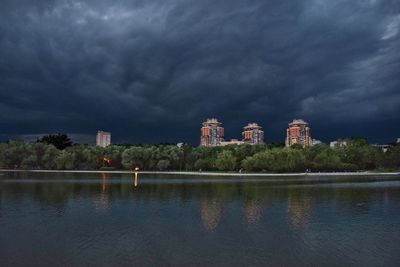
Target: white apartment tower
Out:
[103,139]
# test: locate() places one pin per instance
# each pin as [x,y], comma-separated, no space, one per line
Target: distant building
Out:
[384,147]
[298,132]
[231,142]
[212,133]
[398,141]
[316,142]
[338,143]
[103,139]
[253,134]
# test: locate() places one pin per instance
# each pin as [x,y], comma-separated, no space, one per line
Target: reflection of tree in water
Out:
[253,210]
[299,210]
[211,212]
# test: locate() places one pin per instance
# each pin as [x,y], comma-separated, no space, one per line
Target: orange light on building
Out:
[253,134]
[298,132]
[212,133]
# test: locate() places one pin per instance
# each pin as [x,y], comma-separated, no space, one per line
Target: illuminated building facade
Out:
[338,144]
[231,142]
[298,132]
[103,139]
[212,133]
[253,134]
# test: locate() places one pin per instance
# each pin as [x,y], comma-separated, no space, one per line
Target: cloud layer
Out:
[151,71]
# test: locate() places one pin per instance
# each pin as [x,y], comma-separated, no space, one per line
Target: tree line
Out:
[357,155]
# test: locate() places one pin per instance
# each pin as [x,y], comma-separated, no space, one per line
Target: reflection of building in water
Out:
[299,210]
[253,210]
[211,213]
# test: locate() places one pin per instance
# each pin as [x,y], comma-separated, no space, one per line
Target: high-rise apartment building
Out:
[298,132]
[103,139]
[253,134]
[212,133]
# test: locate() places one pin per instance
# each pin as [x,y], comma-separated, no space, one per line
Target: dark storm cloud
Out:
[150,71]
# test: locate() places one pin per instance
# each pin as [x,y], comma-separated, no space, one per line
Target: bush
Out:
[225,161]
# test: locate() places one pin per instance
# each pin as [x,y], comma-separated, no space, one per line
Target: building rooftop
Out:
[103,132]
[298,122]
[252,126]
[212,121]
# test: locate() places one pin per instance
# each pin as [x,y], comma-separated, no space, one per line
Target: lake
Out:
[169,220]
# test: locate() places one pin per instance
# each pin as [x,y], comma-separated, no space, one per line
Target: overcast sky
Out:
[153,70]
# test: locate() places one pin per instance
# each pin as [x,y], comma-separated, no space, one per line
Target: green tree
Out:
[328,160]
[357,155]
[134,157]
[260,161]
[114,153]
[295,159]
[358,152]
[225,161]
[296,146]
[93,157]
[284,160]
[163,164]
[2,159]
[34,156]
[205,164]
[65,160]
[312,151]
[14,153]
[60,141]
[392,158]
[49,157]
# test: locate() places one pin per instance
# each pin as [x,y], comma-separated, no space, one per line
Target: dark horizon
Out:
[151,71]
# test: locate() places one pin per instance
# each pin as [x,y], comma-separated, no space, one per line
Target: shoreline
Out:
[213,173]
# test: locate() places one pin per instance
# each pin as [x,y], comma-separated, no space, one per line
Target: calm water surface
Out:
[103,220]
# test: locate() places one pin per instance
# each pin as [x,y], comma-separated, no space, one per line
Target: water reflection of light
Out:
[211,213]
[299,211]
[254,210]
[103,188]
[101,203]
[135,177]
